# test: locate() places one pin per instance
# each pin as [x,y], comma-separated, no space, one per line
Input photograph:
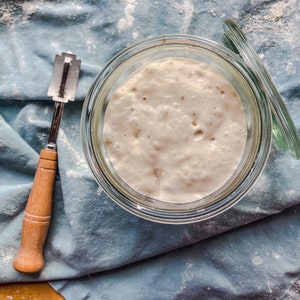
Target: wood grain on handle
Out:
[37,215]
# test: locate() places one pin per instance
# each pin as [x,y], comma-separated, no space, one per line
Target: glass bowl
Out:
[257,112]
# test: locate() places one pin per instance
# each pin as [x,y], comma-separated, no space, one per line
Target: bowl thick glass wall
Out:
[247,85]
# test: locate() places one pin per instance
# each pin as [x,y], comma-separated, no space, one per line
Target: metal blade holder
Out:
[62,89]
[37,215]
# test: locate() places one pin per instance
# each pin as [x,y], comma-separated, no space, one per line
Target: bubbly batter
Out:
[175,130]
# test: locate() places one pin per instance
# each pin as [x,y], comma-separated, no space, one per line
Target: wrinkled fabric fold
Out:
[217,268]
[252,250]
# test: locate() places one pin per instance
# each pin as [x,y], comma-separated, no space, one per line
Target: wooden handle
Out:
[37,215]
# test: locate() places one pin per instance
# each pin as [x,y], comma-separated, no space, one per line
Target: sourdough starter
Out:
[175,130]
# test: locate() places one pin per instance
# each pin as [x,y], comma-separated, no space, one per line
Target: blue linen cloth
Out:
[251,251]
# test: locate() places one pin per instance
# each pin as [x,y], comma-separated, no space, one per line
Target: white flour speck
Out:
[72,174]
[6,257]
[291,193]
[127,21]
[46,110]
[77,6]
[276,255]
[186,8]
[55,45]
[257,260]
[135,34]
[257,209]
[90,44]
[213,13]
[291,68]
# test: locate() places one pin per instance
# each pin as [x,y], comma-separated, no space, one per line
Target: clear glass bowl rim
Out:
[159,215]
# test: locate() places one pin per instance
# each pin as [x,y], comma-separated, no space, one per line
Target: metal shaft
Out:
[57,114]
[58,109]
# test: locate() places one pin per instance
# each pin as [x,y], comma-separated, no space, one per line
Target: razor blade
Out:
[63,84]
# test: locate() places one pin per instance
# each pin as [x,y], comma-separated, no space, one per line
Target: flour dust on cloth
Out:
[89,233]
